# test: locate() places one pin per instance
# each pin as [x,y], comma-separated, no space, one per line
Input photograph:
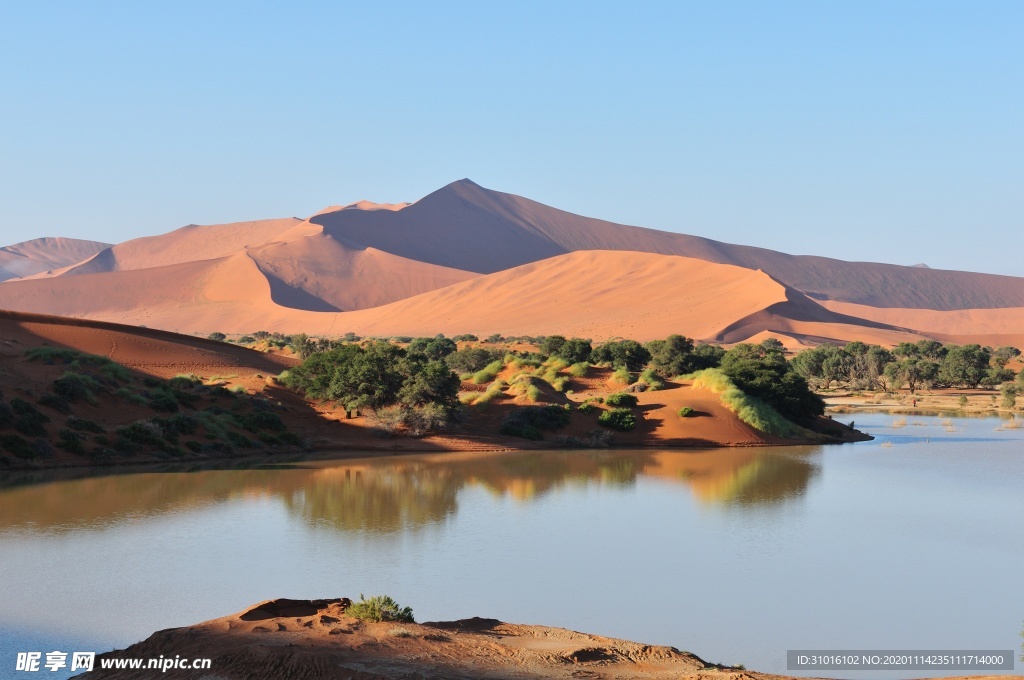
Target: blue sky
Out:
[886,131]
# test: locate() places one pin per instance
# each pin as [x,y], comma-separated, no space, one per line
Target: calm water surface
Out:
[914,540]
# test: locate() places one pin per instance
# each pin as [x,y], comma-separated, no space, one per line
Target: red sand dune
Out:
[44,254]
[466,226]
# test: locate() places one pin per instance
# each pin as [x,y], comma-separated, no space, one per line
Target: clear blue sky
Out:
[889,131]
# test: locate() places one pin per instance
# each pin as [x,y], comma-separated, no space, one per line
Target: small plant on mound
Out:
[380,608]
[621,399]
[495,390]
[621,419]
[586,407]
[685,412]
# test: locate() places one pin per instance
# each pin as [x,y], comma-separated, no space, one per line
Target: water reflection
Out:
[395,494]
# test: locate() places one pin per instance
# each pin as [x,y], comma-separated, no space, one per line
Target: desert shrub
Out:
[142,432]
[586,407]
[163,400]
[28,420]
[595,439]
[560,383]
[184,382]
[239,440]
[16,445]
[628,354]
[380,608]
[177,424]
[621,399]
[621,419]
[83,425]
[471,359]
[579,369]
[194,446]
[466,337]
[217,335]
[52,355]
[261,420]
[426,418]
[76,386]
[488,373]
[761,371]
[751,410]
[71,441]
[527,422]
[58,404]
[685,412]
[623,376]
[130,396]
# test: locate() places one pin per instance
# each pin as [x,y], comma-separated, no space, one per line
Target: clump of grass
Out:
[12,443]
[28,420]
[560,383]
[899,422]
[751,410]
[400,633]
[586,407]
[130,396]
[488,372]
[685,412]
[623,376]
[493,392]
[579,370]
[380,608]
[76,386]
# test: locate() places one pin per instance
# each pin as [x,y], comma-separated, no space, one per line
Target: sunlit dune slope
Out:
[44,254]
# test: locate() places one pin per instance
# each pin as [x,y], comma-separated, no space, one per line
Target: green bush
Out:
[380,608]
[685,412]
[621,399]
[528,421]
[261,420]
[238,439]
[12,443]
[71,441]
[58,404]
[84,425]
[621,419]
[652,379]
[28,420]
[751,410]
[130,396]
[623,376]
[76,386]
[586,407]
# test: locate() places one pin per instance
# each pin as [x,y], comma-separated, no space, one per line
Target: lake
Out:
[914,540]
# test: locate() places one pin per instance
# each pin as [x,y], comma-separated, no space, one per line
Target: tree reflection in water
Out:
[396,494]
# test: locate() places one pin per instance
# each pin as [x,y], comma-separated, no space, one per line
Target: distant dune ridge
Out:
[43,254]
[468,259]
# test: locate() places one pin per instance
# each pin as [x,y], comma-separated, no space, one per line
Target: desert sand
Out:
[468,259]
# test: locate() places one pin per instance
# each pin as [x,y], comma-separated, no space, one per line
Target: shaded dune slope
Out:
[145,349]
[43,254]
[465,226]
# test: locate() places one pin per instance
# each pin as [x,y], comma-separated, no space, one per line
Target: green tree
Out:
[628,354]
[964,366]
[764,373]
[550,345]
[574,350]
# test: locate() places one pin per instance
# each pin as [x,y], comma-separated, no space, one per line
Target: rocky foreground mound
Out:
[310,640]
